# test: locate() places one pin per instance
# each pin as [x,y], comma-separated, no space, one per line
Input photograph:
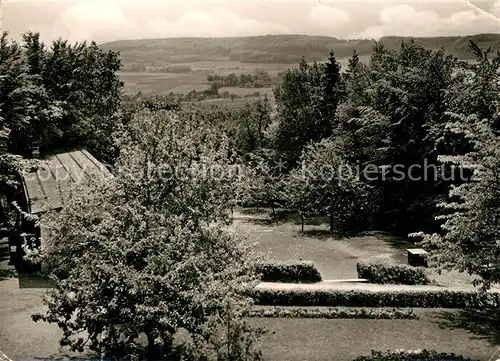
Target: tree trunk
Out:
[331,222]
[154,351]
[302,221]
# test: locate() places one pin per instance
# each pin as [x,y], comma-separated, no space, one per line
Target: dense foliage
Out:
[392,274]
[147,253]
[325,183]
[58,97]
[332,313]
[289,272]
[362,298]
[412,355]
[260,79]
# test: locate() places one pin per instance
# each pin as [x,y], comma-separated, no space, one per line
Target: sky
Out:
[108,20]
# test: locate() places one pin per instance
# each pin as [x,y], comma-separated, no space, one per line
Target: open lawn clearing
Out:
[335,258]
[237,67]
[346,339]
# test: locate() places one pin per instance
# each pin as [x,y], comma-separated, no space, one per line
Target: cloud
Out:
[212,24]
[105,20]
[329,17]
[85,20]
[496,9]
[405,20]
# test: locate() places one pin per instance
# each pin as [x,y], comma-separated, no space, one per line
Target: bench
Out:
[417,257]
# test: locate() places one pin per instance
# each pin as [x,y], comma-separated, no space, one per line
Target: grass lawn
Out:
[335,258]
[346,339]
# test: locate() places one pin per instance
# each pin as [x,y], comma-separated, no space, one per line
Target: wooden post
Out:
[302,219]
[331,222]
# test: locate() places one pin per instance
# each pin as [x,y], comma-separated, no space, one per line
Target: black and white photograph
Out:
[249,180]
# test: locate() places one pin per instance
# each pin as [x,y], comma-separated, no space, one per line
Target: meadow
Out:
[180,83]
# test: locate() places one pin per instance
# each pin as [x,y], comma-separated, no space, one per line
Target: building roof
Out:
[46,188]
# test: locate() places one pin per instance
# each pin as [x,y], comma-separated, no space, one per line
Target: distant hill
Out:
[275,48]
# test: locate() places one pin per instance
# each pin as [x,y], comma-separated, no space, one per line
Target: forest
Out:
[287,49]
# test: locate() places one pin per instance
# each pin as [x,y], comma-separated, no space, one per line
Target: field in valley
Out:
[178,83]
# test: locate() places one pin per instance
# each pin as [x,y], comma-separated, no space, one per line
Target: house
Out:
[46,189]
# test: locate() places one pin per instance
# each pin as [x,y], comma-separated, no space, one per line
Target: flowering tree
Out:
[470,239]
[261,182]
[147,252]
[325,183]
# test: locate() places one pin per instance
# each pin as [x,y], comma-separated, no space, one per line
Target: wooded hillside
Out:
[277,48]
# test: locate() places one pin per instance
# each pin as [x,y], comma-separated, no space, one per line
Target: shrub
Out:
[406,298]
[417,355]
[396,274]
[331,313]
[289,272]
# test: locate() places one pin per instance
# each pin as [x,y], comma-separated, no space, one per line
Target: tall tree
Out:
[252,124]
[83,80]
[469,241]
[400,116]
[307,98]
[326,184]
[475,89]
[147,252]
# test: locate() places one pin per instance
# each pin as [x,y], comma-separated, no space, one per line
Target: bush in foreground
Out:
[144,261]
[392,273]
[331,313]
[411,298]
[416,355]
[289,272]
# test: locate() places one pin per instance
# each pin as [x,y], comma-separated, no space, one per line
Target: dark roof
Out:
[47,187]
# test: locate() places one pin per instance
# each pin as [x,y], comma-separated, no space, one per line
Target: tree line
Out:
[261,79]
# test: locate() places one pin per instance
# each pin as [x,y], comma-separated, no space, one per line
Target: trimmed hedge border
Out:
[397,299]
[417,355]
[392,274]
[289,272]
[331,313]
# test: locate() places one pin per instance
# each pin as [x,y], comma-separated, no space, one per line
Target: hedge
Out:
[331,313]
[362,298]
[395,274]
[289,272]
[417,355]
